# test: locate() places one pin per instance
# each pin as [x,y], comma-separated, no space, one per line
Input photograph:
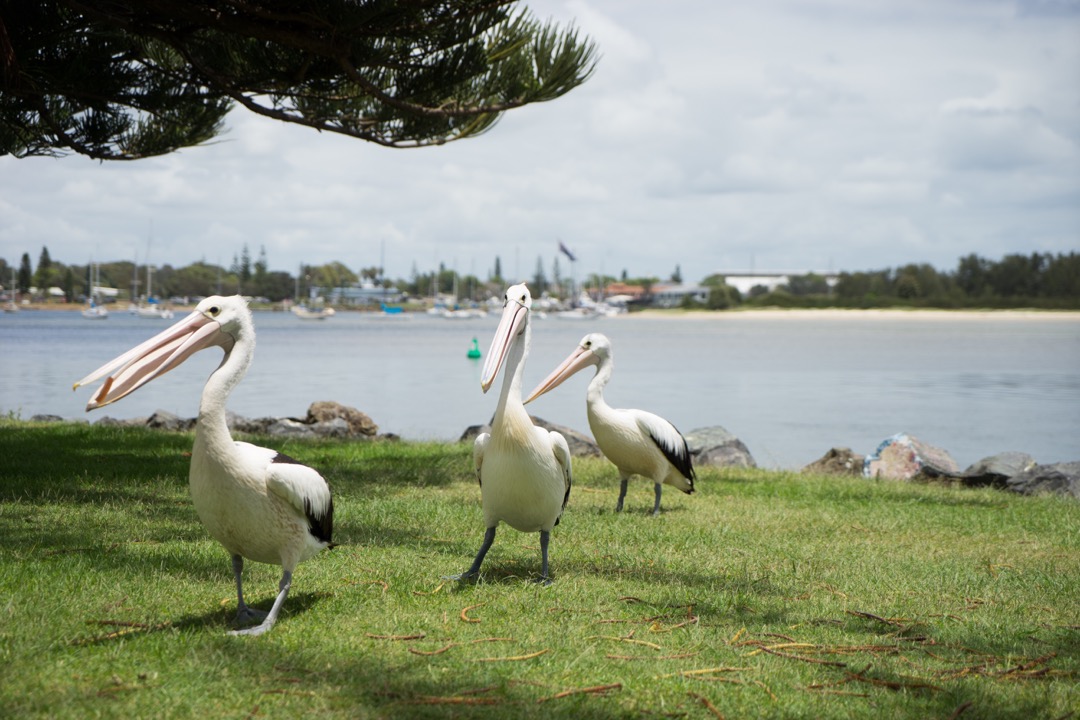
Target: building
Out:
[744,282]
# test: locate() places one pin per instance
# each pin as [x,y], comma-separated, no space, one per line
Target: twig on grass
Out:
[831,663]
[616,638]
[530,656]
[960,710]
[416,636]
[708,705]
[464,613]
[897,622]
[594,690]
[129,627]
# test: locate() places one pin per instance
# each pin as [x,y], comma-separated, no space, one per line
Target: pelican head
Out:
[593,349]
[515,318]
[216,321]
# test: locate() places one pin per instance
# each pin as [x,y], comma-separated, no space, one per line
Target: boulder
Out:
[996,469]
[580,445]
[358,423]
[717,447]
[46,418]
[289,427]
[117,422]
[164,420]
[837,461]
[903,457]
[1058,479]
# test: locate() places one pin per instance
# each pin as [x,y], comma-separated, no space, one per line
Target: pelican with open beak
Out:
[258,503]
[523,470]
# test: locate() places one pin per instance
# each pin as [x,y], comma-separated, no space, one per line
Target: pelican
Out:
[260,504]
[636,441]
[523,470]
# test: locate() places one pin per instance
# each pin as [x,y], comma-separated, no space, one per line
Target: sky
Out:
[715,137]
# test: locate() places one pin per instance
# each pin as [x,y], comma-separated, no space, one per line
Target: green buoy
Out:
[474,351]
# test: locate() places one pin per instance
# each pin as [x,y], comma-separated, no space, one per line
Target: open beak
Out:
[511,324]
[155,357]
[578,360]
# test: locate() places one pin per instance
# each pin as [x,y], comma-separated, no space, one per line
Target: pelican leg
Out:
[244,614]
[489,537]
[622,492]
[271,618]
[656,506]
[545,538]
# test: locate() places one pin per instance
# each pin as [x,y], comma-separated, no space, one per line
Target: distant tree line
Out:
[1038,281]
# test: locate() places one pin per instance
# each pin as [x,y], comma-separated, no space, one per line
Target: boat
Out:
[93,311]
[305,313]
[152,309]
[11,306]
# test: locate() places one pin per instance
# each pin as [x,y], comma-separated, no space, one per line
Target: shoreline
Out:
[739,313]
[861,313]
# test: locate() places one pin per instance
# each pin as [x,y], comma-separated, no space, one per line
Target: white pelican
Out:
[637,442]
[523,470]
[258,503]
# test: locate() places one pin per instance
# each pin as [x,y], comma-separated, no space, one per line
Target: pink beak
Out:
[578,360]
[511,325]
[154,358]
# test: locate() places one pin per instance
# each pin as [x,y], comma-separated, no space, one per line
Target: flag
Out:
[567,252]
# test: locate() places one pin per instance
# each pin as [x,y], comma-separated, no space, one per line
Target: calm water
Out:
[789,387]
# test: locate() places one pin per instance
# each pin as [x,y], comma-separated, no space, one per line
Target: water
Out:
[790,386]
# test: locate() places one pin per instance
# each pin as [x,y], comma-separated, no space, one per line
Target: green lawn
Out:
[766,594]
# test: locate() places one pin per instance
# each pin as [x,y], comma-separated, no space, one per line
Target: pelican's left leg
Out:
[656,505]
[271,618]
[545,538]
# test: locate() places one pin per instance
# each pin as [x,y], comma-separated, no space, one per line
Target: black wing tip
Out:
[321,526]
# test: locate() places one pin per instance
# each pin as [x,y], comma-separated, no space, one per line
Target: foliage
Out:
[766,594]
[128,79]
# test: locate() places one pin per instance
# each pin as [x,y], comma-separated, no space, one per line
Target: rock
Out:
[903,457]
[46,418]
[358,424]
[717,447]
[336,428]
[164,420]
[996,469]
[289,427]
[1058,478]
[116,422]
[580,445]
[472,431]
[837,461]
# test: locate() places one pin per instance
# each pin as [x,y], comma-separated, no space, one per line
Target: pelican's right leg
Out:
[244,614]
[623,480]
[489,537]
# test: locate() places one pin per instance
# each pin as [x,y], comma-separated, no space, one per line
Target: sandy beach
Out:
[920,314]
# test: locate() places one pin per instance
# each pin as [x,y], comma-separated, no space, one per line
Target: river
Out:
[790,385]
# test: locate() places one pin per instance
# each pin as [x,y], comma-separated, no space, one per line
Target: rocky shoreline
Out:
[899,458]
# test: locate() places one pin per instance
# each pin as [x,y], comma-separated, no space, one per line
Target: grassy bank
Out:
[766,594]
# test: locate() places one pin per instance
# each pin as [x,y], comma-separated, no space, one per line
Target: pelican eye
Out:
[215,310]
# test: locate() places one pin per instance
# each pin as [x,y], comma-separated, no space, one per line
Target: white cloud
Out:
[788,134]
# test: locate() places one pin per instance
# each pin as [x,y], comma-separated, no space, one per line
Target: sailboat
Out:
[93,311]
[302,311]
[11,306]
[152,308]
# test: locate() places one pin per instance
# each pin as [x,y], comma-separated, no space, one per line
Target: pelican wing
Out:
[562,456]
[668,439]
[479,446]
[306,490]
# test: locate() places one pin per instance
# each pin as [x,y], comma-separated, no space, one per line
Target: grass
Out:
[766,594]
